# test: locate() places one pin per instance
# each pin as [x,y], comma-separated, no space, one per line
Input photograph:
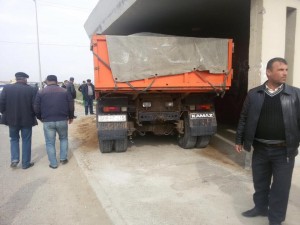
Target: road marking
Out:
[231,131]
[225,139]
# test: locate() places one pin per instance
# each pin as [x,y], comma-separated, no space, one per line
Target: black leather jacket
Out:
[251,111]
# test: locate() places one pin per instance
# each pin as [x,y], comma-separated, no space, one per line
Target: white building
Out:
[274,31]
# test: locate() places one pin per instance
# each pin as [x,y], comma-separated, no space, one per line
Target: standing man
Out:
[54,106]
[81,85]
[80,89]
[88,93]
[64,84]
[16,105]
[270,122]
[71,88]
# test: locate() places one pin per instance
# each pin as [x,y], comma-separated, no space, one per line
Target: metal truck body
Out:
[153,96]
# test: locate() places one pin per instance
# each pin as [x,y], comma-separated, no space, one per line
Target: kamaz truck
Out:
[159,84]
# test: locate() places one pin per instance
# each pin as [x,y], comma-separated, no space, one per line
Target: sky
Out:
[64,44]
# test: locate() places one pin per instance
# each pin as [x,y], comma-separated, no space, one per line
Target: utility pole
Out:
[38,44]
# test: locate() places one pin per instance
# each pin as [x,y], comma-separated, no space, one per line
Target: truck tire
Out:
[187,141]
[202,141]
[105,146]
[121,145]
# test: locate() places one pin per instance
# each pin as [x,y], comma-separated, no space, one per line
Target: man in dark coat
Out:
[65,83]
[88,93]
[16,105]
[54,106]
[270,122]
[81,85]
[80,89]
[71,88]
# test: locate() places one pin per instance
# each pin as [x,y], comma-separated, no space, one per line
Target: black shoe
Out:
[14,164]
[271,223]
[255,212]
[52,167]
[30,165]
[65,161]
[92,113]
[74,117]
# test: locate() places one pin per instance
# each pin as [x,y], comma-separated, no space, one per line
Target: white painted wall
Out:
[269,21]
[296,4]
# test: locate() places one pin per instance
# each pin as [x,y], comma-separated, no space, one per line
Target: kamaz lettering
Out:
[201,115]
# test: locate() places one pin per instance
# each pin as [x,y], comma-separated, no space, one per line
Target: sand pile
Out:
[84,131]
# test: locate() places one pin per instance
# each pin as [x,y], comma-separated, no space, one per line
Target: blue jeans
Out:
[50,129]
[26,133]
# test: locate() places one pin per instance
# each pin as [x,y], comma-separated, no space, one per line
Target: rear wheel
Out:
[121,145]
[105,146]
[187,141]
[202,141]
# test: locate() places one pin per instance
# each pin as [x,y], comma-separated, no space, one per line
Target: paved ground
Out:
[43,196]
[154,183]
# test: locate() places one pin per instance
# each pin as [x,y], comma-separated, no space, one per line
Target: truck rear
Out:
[163,85]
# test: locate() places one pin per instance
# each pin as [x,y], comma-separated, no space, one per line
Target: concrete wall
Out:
[104,14]
[255,44]
[268,38]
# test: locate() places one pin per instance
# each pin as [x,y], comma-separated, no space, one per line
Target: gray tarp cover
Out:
[140,57]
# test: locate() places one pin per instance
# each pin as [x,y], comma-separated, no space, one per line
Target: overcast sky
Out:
[64,44]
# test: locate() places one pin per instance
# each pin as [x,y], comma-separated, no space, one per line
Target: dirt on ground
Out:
[84,131]
[218,156]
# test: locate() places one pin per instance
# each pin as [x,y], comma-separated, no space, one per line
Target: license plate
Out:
[112,118]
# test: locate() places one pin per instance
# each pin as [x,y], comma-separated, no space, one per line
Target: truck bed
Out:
[192,81]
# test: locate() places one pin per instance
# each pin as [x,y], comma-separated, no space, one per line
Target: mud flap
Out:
[202,123]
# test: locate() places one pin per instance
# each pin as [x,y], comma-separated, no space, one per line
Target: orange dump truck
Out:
[163,85]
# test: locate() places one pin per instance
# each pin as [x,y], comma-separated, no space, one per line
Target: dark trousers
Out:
[272,176]
[88,104]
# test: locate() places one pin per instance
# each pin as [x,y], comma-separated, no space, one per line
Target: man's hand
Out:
[239,148]
[70,121]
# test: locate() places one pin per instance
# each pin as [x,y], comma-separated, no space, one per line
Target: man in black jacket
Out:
[270,122]
[16,105]
[71,88]
[88,93]
[54,106]
[81,86]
